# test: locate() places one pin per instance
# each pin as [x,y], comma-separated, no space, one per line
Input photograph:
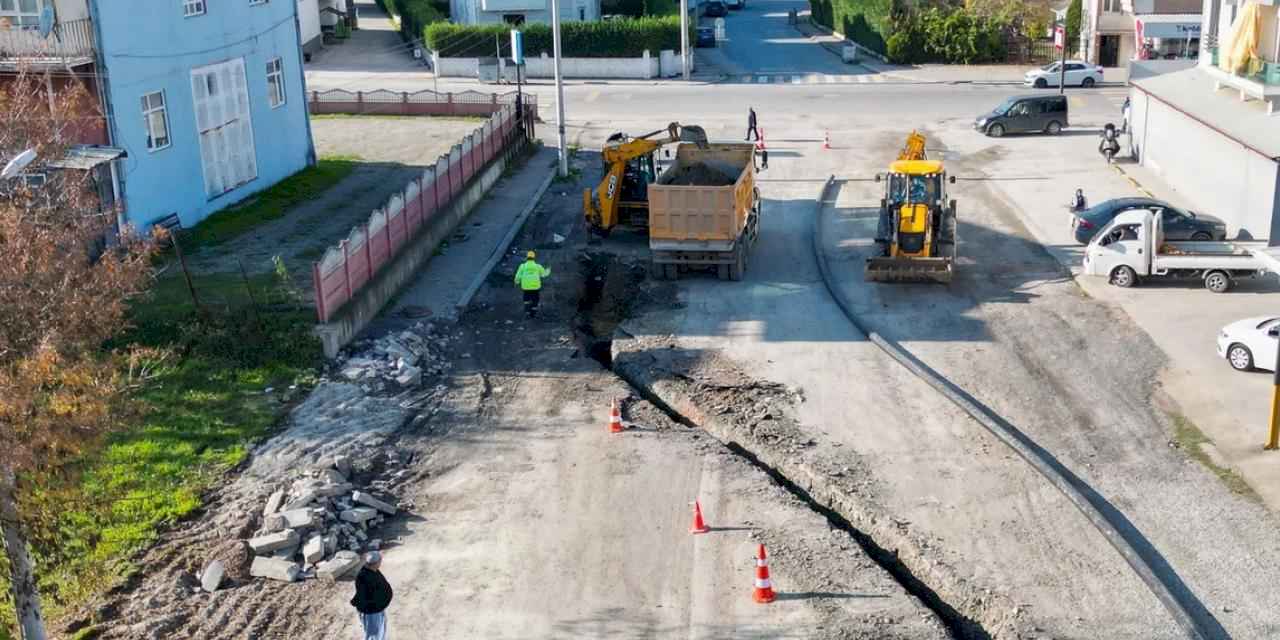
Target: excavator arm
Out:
[914,149]
[600,206]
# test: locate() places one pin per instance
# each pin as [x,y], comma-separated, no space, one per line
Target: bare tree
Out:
[64,291]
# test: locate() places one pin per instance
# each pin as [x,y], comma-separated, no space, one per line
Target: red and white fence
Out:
[412,103]
[350,265]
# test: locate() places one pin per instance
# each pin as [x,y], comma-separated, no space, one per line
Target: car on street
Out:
[1079,74]
[736,4]
[1023,114]
[706,37]
[1250,344]
[714,9]
[1177,223]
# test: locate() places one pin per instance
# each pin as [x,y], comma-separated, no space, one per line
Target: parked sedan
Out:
[1178,224]
[1250,344]
[706,37]
[1081,74]
[715,9]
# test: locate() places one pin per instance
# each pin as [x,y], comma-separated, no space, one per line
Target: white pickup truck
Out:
[1132,246]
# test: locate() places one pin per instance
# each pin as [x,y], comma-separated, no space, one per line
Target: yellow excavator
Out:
[916,236]
[623,195]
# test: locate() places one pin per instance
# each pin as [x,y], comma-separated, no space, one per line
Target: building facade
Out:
[1214,133]
[318,17]
[1114,32]
[199,104]
[517,12]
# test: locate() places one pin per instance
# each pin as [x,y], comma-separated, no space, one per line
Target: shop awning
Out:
[1172,26]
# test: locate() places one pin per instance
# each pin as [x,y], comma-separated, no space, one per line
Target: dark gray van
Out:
[1047,114]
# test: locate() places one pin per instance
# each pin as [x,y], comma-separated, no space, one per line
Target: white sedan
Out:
[1250,344]
[1078,73]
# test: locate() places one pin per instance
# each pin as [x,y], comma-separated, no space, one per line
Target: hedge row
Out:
[622,38]
[415,15]
[947,35]
[866,22]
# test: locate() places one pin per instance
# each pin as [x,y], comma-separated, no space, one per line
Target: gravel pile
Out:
[699,175]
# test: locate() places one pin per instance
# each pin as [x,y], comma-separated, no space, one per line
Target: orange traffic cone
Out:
[698,525]
[615,418]
[764,586]
[826,140]
[760,139]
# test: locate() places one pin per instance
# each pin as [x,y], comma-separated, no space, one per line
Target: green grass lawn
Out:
[199,418]
[269,204]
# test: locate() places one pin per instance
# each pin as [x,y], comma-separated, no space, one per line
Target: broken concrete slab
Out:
[341,564]
[274,541]
[370,501]
[211,577]
[286,553]
[333,490]
[343,465]
[358,515]
[313,550]
[275,569]
[298,518]
[305,497]
[332,476]
[273,502]
[273,523]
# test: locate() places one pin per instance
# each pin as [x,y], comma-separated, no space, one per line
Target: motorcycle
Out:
[1109,146]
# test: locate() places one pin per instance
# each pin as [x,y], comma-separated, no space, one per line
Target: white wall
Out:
[1218,175]
[308,20]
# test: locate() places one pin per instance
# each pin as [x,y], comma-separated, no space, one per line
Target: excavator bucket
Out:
[909,270]
[688,133]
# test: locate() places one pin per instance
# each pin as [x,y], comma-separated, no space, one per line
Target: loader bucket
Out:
[909,270]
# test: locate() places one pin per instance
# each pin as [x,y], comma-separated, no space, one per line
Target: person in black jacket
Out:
[751,124]
[373,595]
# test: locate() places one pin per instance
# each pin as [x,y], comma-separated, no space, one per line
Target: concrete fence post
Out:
[404,103]
[368,255]
[346,267]
[319,287]
[359,102]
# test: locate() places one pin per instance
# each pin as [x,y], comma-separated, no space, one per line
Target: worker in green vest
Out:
[529,278]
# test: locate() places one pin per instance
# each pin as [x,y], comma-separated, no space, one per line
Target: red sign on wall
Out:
[1059,37]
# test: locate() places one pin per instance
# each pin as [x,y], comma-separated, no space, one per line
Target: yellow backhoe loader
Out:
[916,237]
[623,196]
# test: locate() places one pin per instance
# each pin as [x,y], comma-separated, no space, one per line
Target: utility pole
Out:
[684,39]
[555,46]
[1062,65]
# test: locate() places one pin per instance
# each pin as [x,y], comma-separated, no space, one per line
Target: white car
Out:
[1079,73]
[1251,343]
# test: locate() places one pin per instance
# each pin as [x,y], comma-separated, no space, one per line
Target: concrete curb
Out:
[501,249]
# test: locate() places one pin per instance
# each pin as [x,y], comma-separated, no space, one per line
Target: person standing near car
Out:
[751,124]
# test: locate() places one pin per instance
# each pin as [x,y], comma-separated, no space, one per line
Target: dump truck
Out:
[704,211]
[622,197]
[916,235]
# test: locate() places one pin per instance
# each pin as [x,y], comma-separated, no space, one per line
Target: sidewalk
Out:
[1001,74]
[447,279]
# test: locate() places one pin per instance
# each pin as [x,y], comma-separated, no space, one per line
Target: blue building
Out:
[202,101]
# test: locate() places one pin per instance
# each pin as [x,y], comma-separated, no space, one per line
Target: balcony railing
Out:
[70,41]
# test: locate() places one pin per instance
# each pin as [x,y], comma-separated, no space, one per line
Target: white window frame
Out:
[224,125]
[163,109]
[193,8]
[275,78]
[23,20]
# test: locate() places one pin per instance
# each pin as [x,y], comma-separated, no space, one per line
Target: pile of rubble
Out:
[397,361]
[317,528]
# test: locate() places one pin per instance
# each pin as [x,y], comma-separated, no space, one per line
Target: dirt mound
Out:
[236,557]
[698,174]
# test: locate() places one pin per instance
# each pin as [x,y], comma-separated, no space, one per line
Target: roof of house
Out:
[1191,92]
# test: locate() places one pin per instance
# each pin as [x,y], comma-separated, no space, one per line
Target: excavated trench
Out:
[608,295]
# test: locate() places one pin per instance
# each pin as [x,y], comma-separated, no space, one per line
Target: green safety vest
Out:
[530,274]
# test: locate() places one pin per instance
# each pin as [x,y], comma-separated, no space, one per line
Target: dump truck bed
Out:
[703,198]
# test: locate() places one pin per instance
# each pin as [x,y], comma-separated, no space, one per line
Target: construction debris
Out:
[324,522]
[211,577]
[397,361]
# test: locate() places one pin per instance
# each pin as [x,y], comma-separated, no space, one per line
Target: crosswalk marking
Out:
[812,78]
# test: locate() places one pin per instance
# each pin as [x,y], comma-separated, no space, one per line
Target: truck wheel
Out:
[739,263]
[670,272]
[722,271]
[1217,281]
[1124,277]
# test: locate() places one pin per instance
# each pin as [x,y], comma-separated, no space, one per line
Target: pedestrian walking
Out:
[751,124]
[373,595]
[529,278]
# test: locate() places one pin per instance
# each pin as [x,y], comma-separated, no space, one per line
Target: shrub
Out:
[866,22]
[624,38]
[415,15]
[947,36]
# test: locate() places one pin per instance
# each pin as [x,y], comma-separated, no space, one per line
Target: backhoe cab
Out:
[622,196]
[916,235]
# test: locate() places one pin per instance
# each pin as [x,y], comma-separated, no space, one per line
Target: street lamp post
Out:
[555,46]
[684,39]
